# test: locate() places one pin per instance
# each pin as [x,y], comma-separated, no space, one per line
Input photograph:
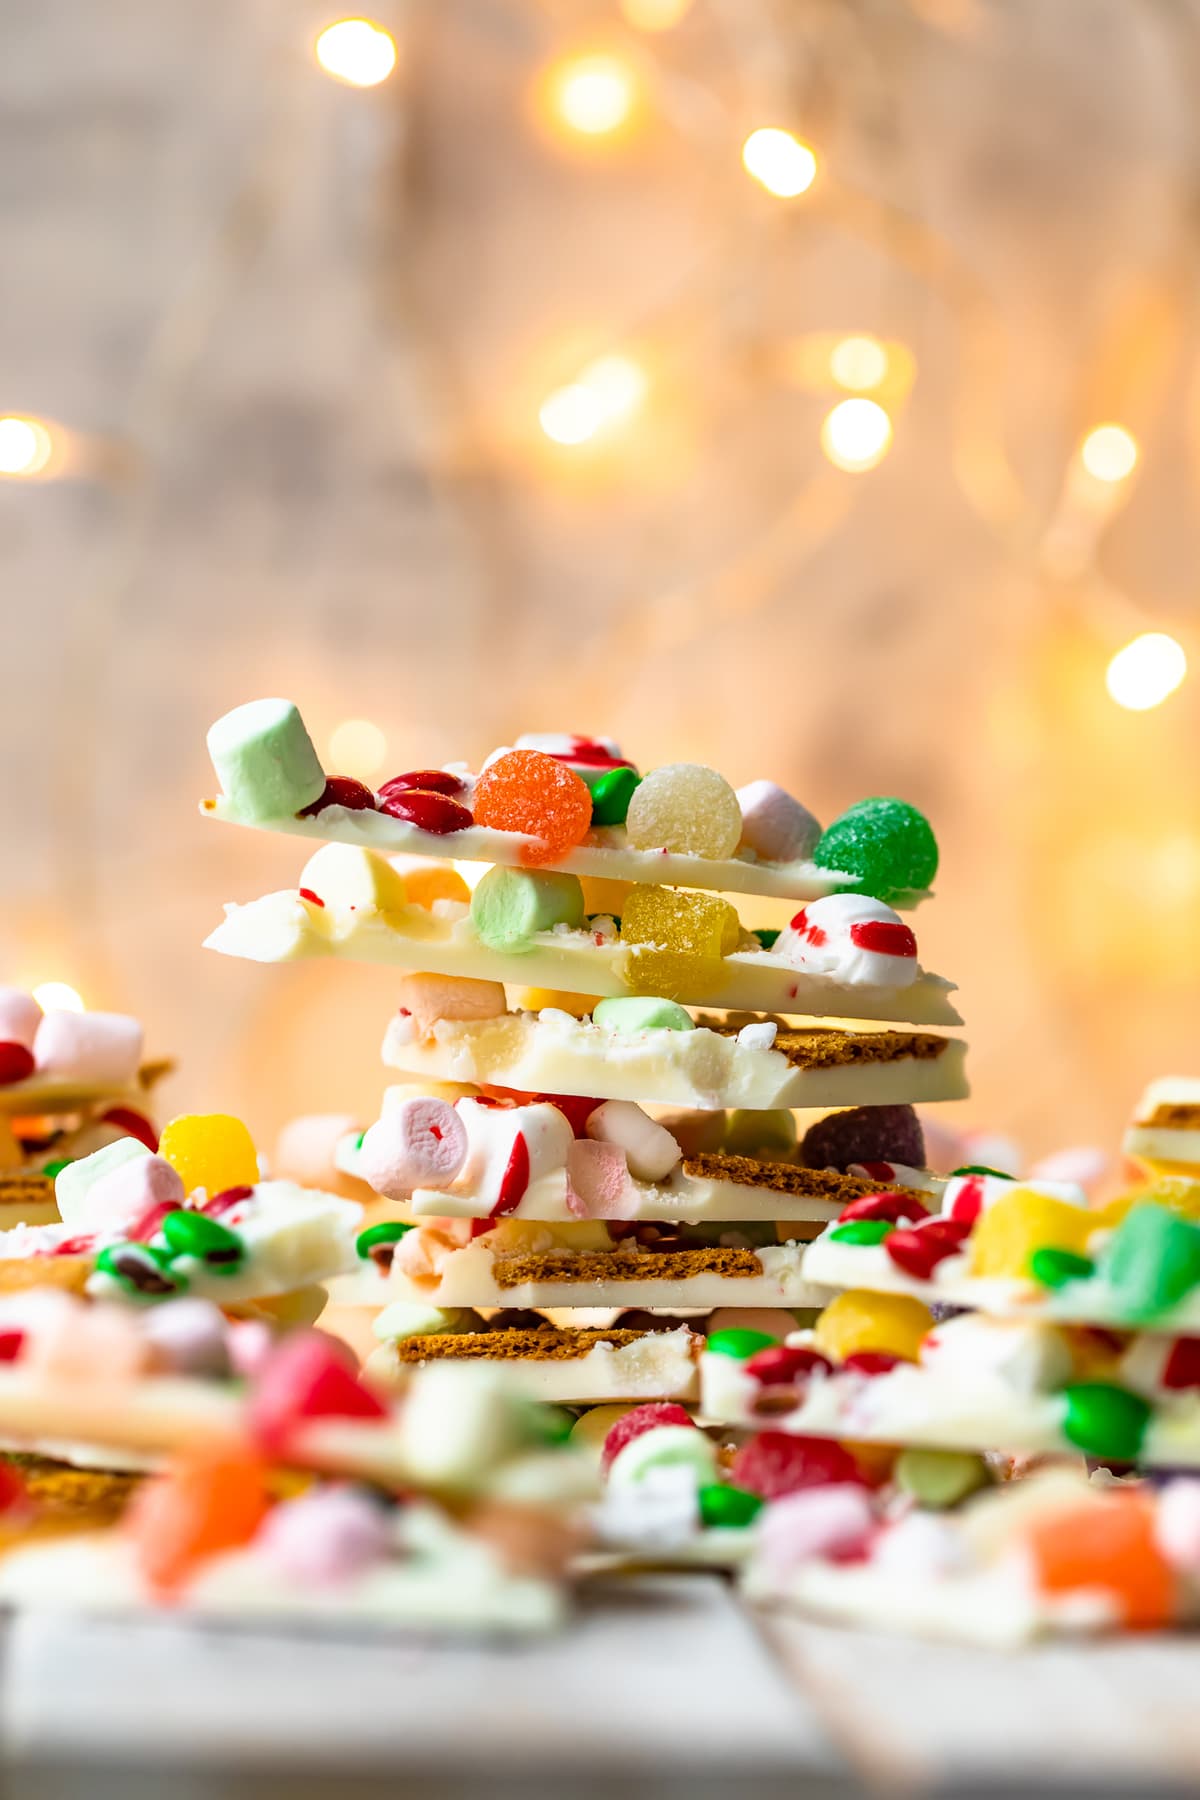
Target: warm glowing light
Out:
[655,15]
[1146,671]
[1109,453]
[56,996]
[856,435]
[607,392]
[858,363]
[783,164]
[25,446]
[593,94]
[357,747]
[357,52]
[472,872]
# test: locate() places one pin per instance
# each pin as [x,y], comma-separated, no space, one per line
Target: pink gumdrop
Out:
[100,1047]
[422,1143]
[128,1191]
[20,1016]
[598,1185]
[819,1521]
[327,1536]
[308,1375]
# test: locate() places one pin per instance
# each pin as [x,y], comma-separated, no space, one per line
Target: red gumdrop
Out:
[133,1124]
[430,781]
[1182,1367]
[340,790]
[785,1362]
[16,1063]
[918,1252]
[437,813]
[642,1418]
[538,796]
[576,1110]
[307,1376]
[774,1464]
[892,1207]
[872,1362]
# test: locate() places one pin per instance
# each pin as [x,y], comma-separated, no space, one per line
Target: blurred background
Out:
[805,387]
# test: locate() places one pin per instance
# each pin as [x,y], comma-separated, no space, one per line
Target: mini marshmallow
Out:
[852,938]
[760,1035]
[93,1046]
[509,906]
[598,1185]
[1024,1356]
[492,1132]
[127,1191]
[325,1537]
[419,1143]
[73,1184]
[265,760]
[774,825]
[816,1522]
[650,1150]
[20,1016]
[1177,1524]
[458,1421]
[189,1336]
[350,879]
[432,997]
[660,1514]
[632,1013]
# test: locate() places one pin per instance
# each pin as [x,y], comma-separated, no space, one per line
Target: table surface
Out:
[664,1684]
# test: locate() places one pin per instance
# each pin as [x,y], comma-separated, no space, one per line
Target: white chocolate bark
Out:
[282,927]
[1178,1145]
[661,1365]
[53,1095]
[687,1199]
[551,1052]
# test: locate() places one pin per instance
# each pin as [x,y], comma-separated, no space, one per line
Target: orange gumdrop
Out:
[529,792]
[205,1502]
[1107,1545]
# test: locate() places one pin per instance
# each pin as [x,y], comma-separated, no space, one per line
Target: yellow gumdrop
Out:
[435,882]
[677,941]
[1178,1193]
[213,1151]
[1007,1235]
[857,1320]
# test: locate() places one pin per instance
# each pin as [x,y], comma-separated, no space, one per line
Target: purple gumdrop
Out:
[865,1134]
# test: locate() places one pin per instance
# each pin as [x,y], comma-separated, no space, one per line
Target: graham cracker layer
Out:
[827,1047]
[586,1266]
[20,1272]
[546,1344]
[784,1178]
[98,1496]
[17,1191]
[1174,1115]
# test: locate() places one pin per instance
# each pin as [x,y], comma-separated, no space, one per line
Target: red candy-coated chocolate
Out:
[785,1362]
[592,755]
[575,1109]
[918,1252]
[538,796]
[430,781]
[16,1064]
[774,1464]
[888,937]
[968,1201]
[871,1362]
[642,1418]
[515,1178]
[10,1347]
[340,790]
[437,813]
[892,1207]
[308,1376]
[1182,1367]
[133,1124]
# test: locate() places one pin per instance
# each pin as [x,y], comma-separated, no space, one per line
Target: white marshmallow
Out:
[91,1046]
[492,1132]
[650,1150]
[774,825]
[73,1184]
[129,1190]
[822,940]
[1022,1356]
[20,1016]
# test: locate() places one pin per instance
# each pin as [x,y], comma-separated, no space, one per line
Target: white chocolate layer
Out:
[688,1199]
[659,1366]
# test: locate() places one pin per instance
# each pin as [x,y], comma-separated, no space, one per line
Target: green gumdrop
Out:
[862,1231]
[1105,1421]
[766,1134]
[1055,1268]
[939,1478]
[194,1234]
[611,794]
[888,844]
[389,1232]
[723,1505]
[1152,1262]
[642,1013]
[738,1341]
[510,905]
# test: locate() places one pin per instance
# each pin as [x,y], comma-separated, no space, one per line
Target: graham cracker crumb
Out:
[1177,1114]
[585,1266]
[827,1047]
[17,1191]
[784,1178]
[546,1344]
[59,1488]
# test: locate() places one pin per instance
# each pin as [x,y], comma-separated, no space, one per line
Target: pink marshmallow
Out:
[188,1336]
[100,1047]
[325,1537]
[20,1016]
[813,1523]
[421,1143]
[650,1150]
[774,825]
[432,997]
[128,1191]
[598,1182]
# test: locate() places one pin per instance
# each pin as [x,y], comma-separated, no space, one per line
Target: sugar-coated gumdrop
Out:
[1007,1234]
[864,1134]
[637,1419]
[538,796]
[687,809]
[206,1502]
[1152,1261]
[265,759]
[857,1320]
[674,1447]
[774,1464]
[677,941]
[768,1134]
[1106,1544]
[213,1151]
[887,843]
[308,1376]
[510,905]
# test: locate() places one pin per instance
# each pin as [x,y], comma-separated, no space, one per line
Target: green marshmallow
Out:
[642,1013]
[510,905]
[1152,1262]
[770,1134]
[723,1505]
[265,760]
[1105,1421]
[939,1478]
[739,1342]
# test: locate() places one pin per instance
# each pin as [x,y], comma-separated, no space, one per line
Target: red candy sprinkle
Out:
[427,811]
[430,781]
[890,939]
[918,1252]
[815,934]
[892,1207]
[515,1178]
[774,1464]
[785,1362]
[16,1063]
[640,1419]
[133,1124]
[1182,1367]
[340,790]
[308,1376]
[312,898]
[10,1345]
[871,1362]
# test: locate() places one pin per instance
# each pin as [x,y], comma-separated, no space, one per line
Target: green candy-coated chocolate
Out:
[887,843]
[766,937]
[510,905]
[939,1478]
[721,1504]
[981,1169]
[193,1234]
[611,794]
[1152,1262]
[389,1232]
[862,1231]
[1054,1268]
[265,760]
[141,1269]
[739,1342]
[641,1013]
[52,1169]
[1105,1421]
